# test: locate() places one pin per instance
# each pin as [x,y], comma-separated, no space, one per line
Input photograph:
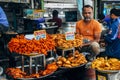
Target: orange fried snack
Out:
[23,46]
[17,73]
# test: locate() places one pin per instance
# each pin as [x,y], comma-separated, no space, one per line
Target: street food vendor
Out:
[90,29]
[56,19]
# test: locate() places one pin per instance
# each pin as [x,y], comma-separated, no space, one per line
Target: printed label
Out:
[70,35]
[40,34]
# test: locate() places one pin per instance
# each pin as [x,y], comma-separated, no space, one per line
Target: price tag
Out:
[40,34]
[100,77]
[70,35]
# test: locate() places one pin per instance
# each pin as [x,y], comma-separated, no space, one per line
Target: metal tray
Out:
[41,77]
[72,67]
[61,48]
[108,71]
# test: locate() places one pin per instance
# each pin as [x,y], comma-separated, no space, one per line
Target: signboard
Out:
[40,34]
[33,13]
[69,35]
[38,13]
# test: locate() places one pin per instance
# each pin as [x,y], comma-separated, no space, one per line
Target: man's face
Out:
[111,16]
[88,14]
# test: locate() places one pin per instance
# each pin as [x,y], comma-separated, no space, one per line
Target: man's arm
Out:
[97,39]
[77,28]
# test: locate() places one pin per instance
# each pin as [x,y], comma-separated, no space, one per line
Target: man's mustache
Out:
[87,18]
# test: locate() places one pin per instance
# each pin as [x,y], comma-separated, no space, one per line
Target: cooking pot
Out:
[68,27]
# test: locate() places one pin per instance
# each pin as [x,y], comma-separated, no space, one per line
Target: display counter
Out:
[38,24]
[51,29]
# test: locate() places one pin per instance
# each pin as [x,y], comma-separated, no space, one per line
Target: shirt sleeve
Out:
[77,28]
[98,28]
[3,18]
[59,23]
[113,31]
[114,28]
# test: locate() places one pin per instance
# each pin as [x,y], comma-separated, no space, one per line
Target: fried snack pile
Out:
[61,42]
[21,45]
[106,64]
[17,73]
[73,60]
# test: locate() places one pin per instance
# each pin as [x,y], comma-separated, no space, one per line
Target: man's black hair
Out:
[55,13]
[87,6]
[101,16]
[115,11]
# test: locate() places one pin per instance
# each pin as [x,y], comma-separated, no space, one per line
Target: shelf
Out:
[15,1]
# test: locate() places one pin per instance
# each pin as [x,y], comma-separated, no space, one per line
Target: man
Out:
[90,29]
[112,39]
[56,19]
[3,21]
[4,25]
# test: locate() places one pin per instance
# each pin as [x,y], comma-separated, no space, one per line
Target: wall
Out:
[90,2]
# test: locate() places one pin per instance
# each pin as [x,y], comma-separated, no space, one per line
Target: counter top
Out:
[50,27]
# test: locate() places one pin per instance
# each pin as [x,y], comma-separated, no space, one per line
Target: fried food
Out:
[17,73]
[71,61]
[106,64]
[61,41]
[23,46]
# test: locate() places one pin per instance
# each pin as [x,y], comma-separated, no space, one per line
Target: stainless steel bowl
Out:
[1,70]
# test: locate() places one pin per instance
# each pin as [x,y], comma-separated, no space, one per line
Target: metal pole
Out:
[32,4]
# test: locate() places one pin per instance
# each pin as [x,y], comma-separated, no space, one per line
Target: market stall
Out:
[38,48]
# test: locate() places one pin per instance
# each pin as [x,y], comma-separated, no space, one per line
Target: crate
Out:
[107,75]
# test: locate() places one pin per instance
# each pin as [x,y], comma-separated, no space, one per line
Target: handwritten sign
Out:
[70,35]
[40,34]
[100,77]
